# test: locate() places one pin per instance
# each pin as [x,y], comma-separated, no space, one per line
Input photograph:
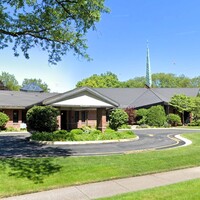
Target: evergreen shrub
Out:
[42,118]
[118,117]
[156,116]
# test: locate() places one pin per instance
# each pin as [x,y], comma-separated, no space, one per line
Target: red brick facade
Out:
[16,118]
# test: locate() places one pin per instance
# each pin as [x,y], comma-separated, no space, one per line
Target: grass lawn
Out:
[181,191]
[20,176]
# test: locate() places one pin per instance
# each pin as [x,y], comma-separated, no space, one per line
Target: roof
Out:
[21,100]
[141,97]
[85,96]
[32,87]
[108,97]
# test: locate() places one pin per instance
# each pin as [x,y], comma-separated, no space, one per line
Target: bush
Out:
[3,120]
[194,123]
[142,116]
[173,119]
[42,118]
[118,117]
[156,116]
[60,135]
[77,131]
[131,115]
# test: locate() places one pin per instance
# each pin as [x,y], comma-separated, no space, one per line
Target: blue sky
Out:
[172,28]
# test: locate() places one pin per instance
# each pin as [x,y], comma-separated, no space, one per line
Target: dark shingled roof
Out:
[19,99]
[141,97]
[118,97]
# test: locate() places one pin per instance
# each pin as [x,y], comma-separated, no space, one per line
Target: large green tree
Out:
[137,82]
[182,103]
[57,26]
[106,80]
[159,80]
[196,108]
[39,82]
[9,81]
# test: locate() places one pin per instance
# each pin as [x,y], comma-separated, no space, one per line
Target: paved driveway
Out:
[17,145]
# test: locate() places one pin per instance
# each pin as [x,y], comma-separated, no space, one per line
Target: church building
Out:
[87,106]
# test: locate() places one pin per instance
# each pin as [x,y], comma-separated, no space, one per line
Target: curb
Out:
[85,142]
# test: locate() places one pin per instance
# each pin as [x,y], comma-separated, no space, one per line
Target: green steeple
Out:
[148,70]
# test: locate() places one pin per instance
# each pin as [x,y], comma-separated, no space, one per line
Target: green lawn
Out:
[188,190]
[20,176]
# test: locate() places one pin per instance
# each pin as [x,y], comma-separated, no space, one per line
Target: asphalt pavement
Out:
[18,145]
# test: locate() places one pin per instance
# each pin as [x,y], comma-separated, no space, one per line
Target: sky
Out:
[171,27]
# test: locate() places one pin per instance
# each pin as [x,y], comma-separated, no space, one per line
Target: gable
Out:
[83,101]
[81,97]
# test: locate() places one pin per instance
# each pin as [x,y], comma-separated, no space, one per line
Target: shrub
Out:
[3,120]
[59,135]
[142,116]
[11,129]
[76,131]
[194,123]
[173,119]
[42,118]
[131,115]
[156,116]
[42,136]
[118,117]
[63,135]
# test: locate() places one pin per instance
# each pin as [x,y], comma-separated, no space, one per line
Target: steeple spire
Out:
[148,69]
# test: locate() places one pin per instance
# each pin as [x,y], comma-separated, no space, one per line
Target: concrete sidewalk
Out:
[113,187]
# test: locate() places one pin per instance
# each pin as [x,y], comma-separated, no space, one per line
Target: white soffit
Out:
[83,101]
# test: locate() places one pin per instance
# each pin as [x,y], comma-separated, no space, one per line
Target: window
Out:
[23,116]
[76,116]
[15,116]
[83,116]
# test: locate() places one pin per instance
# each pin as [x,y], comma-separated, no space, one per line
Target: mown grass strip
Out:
[180,191]
[20,176]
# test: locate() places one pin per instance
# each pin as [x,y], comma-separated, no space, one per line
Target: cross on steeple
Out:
[148,69]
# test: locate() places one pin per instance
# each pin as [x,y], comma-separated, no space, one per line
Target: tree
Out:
[106,80]
[162,80]
[196,108]
[196,82]
[9,81]
[57,26]
[39,82]
[182,103]
[137,82]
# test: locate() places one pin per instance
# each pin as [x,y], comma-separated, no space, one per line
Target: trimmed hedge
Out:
[76,135]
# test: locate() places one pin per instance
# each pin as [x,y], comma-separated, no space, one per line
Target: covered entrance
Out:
[82,107]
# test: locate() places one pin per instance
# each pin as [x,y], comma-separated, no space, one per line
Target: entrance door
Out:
[63,120]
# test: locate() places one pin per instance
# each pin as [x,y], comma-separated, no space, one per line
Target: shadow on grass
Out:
[31,168]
